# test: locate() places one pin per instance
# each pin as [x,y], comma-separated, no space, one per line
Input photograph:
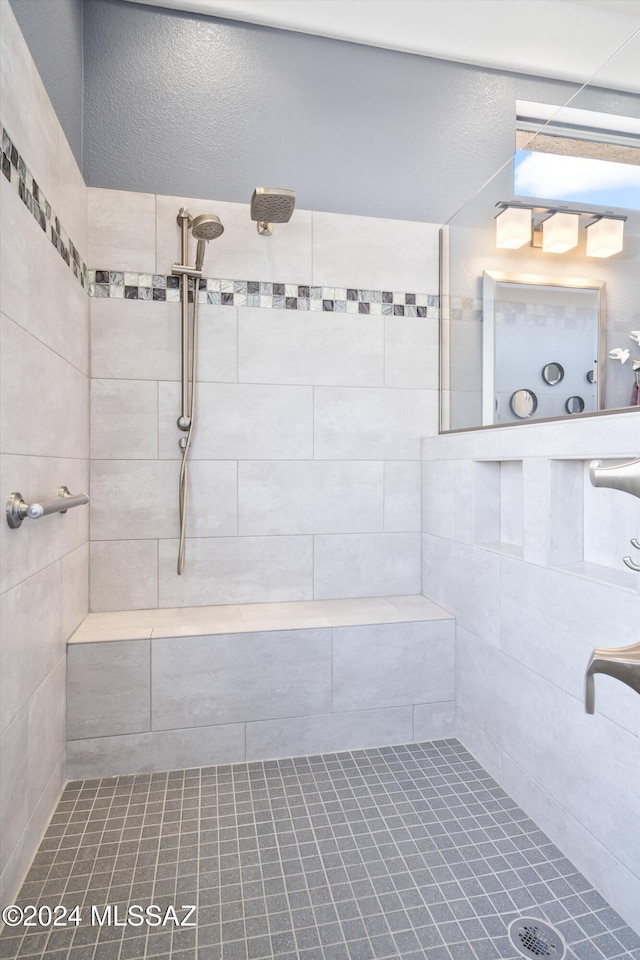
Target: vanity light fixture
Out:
[604,237]
[513,228]
[557,230]
[560,232]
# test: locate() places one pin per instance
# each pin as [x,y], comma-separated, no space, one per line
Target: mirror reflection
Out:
[552,373]
[565,205]
[523,404]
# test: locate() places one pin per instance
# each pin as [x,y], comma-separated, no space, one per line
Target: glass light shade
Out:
[604,237]
[513,228]
[560,232]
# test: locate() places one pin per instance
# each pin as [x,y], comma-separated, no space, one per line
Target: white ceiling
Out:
[564,39]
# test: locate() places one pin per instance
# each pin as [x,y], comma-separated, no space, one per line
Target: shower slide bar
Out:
[18,509]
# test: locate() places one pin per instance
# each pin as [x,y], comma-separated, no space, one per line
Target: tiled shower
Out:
[291,734]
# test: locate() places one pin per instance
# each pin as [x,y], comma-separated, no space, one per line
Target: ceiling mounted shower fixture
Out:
[271,205]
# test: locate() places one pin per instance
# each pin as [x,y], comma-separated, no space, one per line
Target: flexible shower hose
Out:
[184,466]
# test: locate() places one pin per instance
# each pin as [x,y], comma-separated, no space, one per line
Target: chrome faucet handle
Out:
[622,663]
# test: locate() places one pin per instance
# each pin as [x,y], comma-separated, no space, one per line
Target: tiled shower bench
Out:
[152,690]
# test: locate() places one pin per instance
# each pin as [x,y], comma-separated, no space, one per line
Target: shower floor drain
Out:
[535,938]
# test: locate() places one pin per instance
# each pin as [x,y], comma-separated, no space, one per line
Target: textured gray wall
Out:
[182,104]
[53,31]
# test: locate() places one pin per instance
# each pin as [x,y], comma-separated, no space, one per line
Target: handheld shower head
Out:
[205,227]
[271,205]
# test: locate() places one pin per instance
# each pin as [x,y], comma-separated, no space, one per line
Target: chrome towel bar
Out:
[18,509]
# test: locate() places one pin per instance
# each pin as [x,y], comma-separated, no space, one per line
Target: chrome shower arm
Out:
[623,476]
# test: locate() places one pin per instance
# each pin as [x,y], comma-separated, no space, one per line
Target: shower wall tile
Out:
[276,347]
[14,550]
[236,570]
[56,308]
[44,443]
[44,398]
[353,423]
[363,252]
[124,419]
[241,422]
[75,589]
[434,721]
[149,508]
[124,574]
[402,495]
[32,641]
[141,340]
[471,587]
[47,739]
[605,812]
[304,736]
[109,687]
[166,750]
[199,681]
[14,749]
[411,357]
[122,230]
[240,251]
[365,672]
[366,565]
[309,496]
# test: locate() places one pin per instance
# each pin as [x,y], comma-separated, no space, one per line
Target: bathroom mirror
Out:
[523,403]
[521,316]
[590,376]
[574,405]
[552,373]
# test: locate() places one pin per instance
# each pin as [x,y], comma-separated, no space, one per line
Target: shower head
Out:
[271,205]
[205,227]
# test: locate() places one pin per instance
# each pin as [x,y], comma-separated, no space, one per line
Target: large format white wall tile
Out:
[241,421]
[434,721]
[75,589]
[198,681]
[32,641]
[522,712]
[236,570]
[34,128]
[44,399]
[73,197]
[109,688]
[402,495]
[603,781]
[146,495]
[141,340]
[366,565]
[392,664]
[303,736]
[47,736]
[411,357]
[167,750]
[309,496]
[286,346]
[358,423]
[466,581]
[375,254]
[124,419]
[123,574]
[122,231]
[14,812]
[439,498]
[240,253]
[14,544]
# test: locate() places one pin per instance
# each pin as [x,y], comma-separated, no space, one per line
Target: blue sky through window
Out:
[582,180]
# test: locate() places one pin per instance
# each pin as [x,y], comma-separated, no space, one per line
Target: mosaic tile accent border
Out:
[119,285]
[17,173]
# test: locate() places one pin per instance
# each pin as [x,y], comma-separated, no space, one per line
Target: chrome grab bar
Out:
[18,509]
[624,476]
[622,663]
